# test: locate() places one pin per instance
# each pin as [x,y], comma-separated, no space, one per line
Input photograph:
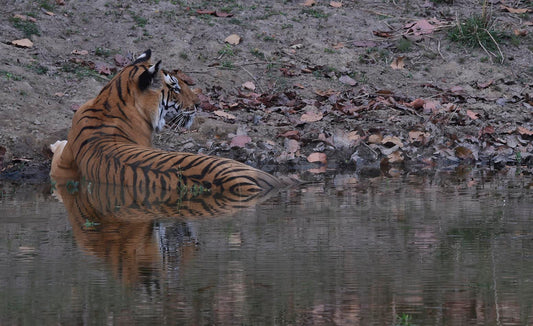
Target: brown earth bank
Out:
[313,87]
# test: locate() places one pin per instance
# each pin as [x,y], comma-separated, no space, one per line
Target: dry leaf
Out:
[335,4]
[383,34]
[311,117]
[420,27]
[523,131]
[520,32]
[395,157]
[121,61]
[326,93]
[392,140]
[309,3]
[317,157]
[418,137]
[472,115]
[80,52]
[339,45]
[24,18]
[375,138]
[463,152]
[485,85]
[49,13]
[205,12]
[347,80]
[417,104]
[249,86]
[398,63]
[292,134]
[298,85]
[292,146]
[225,115]
[321,169]
[223,14]
[233,39]
[240,141]
[23,43]
[515,10]
[60,2]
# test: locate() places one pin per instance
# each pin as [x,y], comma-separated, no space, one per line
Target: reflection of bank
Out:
[139,233]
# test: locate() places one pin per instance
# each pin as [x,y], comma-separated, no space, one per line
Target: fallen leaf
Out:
[398,63]
[223,14]
[321,169]
[417,103]
[488,130]
[59,94]
[388,140]
[292,146]
[23,43]
[225,115]
[375,138]
[298,85]
[515,10]
[249,86]
[292,134]
[80,52]
[485,85]
[395,157]
[524,131]
[121,61]
[60,2]
[24,18]
[311,117]
[345,79]
[326,93]
[335,4]
[418,137]
[49,13]
[463,152]
[339,45]
[317,157]
[205,12]
[472,115]
[420,27]
[309,3]
[233,39]
[240,141]
[383,34]
[520,32]
[103,68]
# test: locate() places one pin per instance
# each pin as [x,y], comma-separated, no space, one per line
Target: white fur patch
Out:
[58,146]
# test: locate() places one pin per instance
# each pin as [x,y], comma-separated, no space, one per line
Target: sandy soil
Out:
[322,75]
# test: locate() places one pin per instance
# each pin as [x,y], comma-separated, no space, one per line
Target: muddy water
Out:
[440,250]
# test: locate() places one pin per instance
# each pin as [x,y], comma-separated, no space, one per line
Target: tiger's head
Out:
[178,102]
[142,83]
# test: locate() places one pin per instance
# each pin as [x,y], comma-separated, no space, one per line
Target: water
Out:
[439,250]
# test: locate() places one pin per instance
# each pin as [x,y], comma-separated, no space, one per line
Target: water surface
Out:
[439,250]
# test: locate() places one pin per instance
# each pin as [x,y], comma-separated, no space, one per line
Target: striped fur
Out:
[110,142]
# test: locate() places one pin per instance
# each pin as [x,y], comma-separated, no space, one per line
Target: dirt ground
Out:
[373,86]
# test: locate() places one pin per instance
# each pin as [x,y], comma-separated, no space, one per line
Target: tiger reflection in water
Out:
[137,234]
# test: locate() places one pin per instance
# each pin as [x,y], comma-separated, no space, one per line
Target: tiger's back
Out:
[110,140]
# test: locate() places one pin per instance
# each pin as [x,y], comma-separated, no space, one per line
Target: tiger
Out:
[110,141]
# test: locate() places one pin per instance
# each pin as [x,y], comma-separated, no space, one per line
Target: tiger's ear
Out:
[145,56]
[148,76]
[171,81]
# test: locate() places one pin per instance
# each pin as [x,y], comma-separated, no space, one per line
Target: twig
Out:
[438,49]
[486,51]
[493,40]
[256,81]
